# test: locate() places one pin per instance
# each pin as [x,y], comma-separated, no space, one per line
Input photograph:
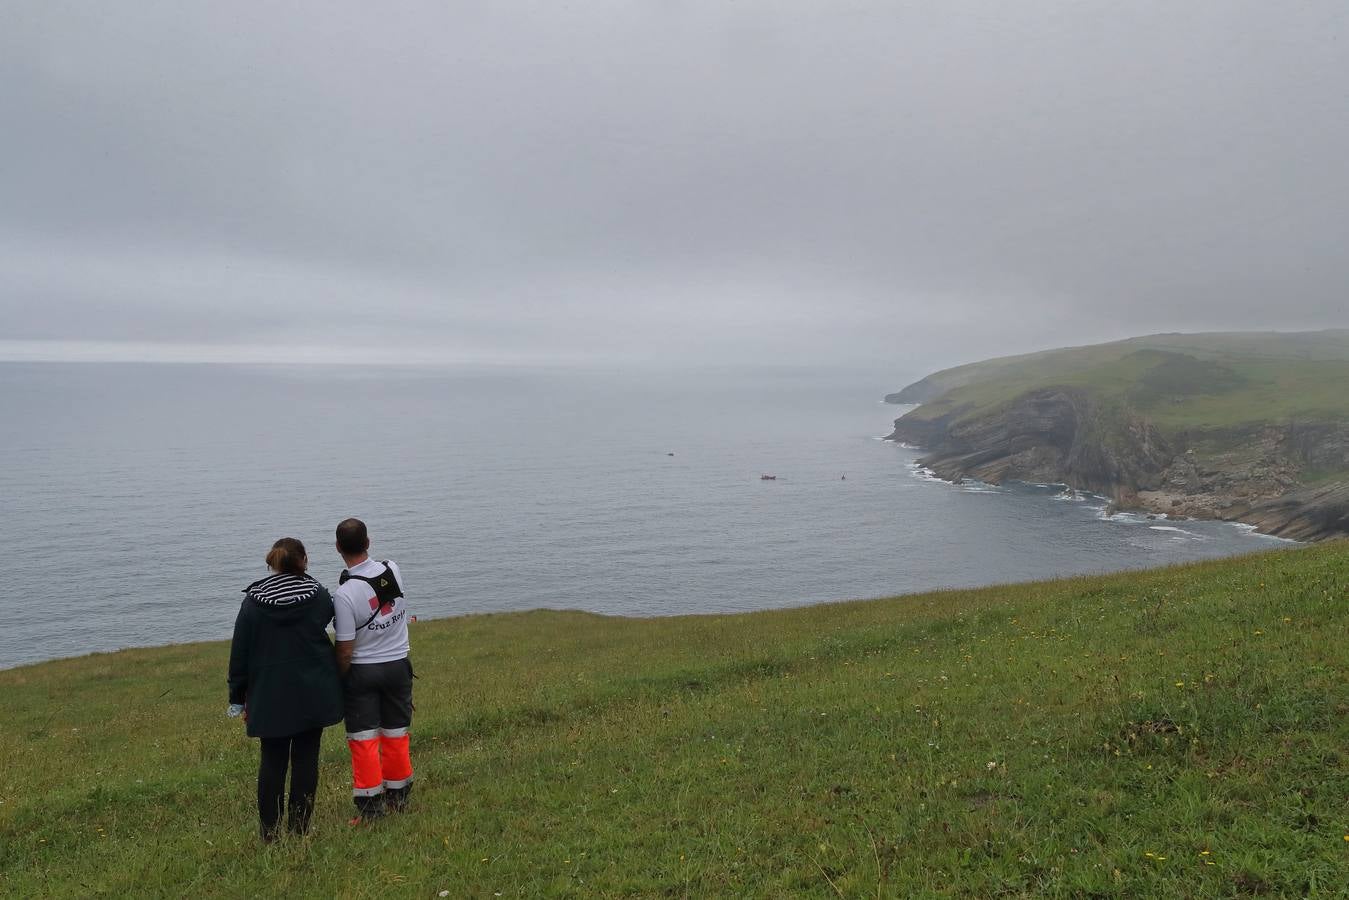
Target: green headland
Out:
[1175,733]
[1251,427]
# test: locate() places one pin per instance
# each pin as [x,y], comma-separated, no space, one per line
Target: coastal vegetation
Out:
[1179,732]
[1246,426]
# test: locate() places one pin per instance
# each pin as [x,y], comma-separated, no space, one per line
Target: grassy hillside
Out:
[1177,380]
[1179,733]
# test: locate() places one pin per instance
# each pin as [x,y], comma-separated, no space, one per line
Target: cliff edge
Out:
[1249,428]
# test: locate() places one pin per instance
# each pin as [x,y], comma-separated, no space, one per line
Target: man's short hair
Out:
[352,538]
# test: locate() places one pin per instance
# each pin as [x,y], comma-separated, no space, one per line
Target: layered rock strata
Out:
[1253,474]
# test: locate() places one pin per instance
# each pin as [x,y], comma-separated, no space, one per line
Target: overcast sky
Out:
[814,183]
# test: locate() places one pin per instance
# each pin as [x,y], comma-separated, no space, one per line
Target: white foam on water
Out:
[979,487]
[923,473]
[1179,534]
[1071,496]
[1248,530]
[1131,518]
[968,486]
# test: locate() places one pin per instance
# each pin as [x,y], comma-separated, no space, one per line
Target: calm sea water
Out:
[136,500]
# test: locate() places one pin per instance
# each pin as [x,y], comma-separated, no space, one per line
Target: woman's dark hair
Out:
[352,538]
[288,557]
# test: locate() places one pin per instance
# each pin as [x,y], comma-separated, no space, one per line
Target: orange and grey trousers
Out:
[378,699]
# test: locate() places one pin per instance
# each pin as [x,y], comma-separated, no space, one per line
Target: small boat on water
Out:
[768,478]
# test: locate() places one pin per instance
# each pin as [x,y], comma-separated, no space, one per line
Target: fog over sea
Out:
[137,500]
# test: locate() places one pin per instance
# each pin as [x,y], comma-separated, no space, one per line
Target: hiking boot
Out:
[396,799]
[369,809]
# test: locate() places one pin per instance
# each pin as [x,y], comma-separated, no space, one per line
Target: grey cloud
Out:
[688,181]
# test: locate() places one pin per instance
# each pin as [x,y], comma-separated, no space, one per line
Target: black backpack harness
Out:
[387,590]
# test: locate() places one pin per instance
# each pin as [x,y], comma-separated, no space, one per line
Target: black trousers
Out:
[301,753]
[378,695]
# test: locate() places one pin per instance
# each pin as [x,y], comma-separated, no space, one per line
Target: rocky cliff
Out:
[1052,435]
[1254,473]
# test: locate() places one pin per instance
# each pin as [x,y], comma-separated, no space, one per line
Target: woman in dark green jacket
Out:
[283,678]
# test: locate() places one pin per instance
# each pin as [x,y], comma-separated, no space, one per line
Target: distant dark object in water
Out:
[844,478]
[768,478]
[671,453]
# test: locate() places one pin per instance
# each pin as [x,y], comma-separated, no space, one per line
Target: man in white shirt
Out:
[371,624]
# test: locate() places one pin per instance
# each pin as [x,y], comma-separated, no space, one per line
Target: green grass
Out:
[1175,733]
[1208,392]
[1230,394]
[1275,367]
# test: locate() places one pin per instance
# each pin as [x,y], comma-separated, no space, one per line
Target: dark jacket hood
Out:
[283,598]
